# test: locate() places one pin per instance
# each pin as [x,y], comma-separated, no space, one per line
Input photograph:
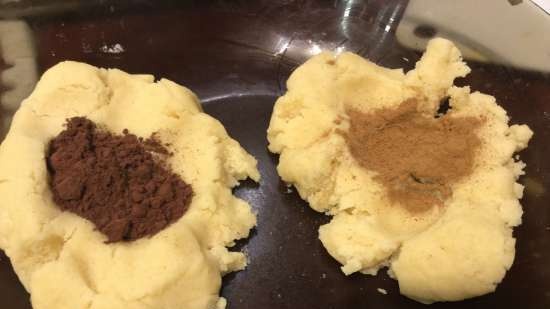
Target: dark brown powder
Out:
[118,182]
[416,157]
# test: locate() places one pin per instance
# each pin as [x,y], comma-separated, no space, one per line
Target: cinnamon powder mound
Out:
[416,157]
[118,182]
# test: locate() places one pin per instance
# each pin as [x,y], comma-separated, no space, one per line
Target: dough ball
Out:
[465,223]
[61,259]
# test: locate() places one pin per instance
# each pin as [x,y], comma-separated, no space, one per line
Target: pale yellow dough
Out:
[59,257]
[451,253]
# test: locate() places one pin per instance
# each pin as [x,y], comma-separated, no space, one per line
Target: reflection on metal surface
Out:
[488,31]
[346,27]
[348,7]
[356,27]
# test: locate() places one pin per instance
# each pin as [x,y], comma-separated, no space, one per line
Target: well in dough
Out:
[460,250]
[61,259]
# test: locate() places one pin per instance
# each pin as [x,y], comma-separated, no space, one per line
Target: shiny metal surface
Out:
[236,55]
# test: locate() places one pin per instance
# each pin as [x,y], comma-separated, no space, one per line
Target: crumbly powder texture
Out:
[119,182]
[417,157]
[432,197]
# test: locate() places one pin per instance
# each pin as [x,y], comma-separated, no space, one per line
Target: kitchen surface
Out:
[237,55]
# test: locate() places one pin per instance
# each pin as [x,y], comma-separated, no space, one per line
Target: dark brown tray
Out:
[236,55]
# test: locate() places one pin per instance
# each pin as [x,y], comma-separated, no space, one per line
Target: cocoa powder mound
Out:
[416,157]
[118,182]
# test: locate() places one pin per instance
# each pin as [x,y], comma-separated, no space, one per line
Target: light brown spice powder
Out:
[416,157]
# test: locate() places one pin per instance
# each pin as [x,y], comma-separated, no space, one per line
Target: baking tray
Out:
[236,55]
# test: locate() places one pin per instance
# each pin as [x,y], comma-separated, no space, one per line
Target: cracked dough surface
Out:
[59,257]
[450,253]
